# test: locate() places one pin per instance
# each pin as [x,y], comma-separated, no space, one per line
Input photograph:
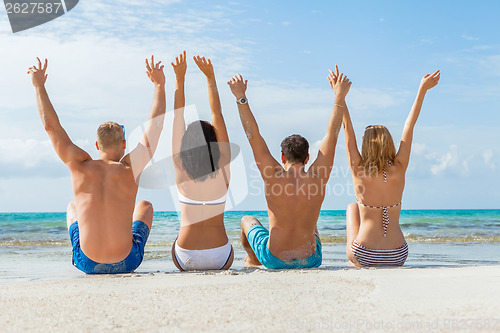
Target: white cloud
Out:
[26,152]
[489,159]
[29,158]
[455,152]
[418,148]
[468,37]
[451,162]
[446,162]
[313,150]
[482,60]
[490,64]
[364,99]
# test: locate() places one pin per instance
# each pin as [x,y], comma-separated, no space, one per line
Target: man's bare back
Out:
[107,232]
[105,193]
[294,196]
[294,199]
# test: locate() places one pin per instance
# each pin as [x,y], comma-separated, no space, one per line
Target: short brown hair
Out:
[295,148]
[109,135]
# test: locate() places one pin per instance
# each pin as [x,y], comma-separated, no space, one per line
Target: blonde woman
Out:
[374,237]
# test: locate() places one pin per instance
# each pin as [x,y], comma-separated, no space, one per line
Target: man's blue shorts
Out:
[140,232]
[258,237]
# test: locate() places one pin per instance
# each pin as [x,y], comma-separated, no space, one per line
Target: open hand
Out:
[238,86]
[205,65]
[430,80]
[38,76]
[339,82]
[180,65]
[155,72]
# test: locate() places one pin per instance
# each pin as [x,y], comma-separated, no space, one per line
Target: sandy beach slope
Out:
[444,299]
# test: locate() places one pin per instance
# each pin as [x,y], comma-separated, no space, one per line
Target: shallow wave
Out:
[325,239]
[425,239]
[452,239]
[35,243]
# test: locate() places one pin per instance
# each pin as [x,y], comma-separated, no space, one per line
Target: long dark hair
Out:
[199,151]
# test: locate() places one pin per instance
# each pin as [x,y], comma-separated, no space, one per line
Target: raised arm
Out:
[67,151]
[324,161]
[205,65]
[140,156]
[179,125]
[261,152]
[428,81]
[353,155]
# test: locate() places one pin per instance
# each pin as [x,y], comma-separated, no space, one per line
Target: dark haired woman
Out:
[201,155]
[374,237]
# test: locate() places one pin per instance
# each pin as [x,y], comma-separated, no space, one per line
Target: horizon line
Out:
[257,210]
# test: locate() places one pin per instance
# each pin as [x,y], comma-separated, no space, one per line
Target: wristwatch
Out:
[242,100]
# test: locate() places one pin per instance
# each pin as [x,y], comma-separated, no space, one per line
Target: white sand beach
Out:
[442,299]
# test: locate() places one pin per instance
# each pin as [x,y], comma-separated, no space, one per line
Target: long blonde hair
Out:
[378,149]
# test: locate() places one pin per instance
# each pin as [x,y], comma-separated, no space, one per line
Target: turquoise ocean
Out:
[36,246]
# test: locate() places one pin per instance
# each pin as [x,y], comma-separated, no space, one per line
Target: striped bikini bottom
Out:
[371,257]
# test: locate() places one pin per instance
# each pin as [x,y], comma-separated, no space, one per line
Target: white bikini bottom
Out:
[215,258]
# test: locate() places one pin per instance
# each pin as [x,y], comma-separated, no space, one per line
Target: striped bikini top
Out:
[385,212]
[187,201]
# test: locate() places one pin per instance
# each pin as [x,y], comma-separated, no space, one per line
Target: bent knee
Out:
[71,216]
[71,209]
[146,207]
[145,204]
[247,219]
[144,212]
[247,222]
[353,206]
[71,204]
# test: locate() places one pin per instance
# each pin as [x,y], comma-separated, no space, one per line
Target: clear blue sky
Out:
[96,54]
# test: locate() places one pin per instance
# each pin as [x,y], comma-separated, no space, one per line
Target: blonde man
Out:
[107,233]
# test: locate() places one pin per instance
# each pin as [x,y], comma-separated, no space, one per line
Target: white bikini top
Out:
[187,201]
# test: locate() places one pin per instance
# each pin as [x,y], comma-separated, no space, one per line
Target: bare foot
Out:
[250,262]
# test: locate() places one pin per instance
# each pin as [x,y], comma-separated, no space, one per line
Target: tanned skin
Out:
[294,196]
[105,189]
[364,224]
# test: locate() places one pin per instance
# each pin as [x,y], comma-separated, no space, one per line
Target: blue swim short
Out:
[258,237]
[140,232]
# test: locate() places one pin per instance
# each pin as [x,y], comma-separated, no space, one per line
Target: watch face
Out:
[242,100]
